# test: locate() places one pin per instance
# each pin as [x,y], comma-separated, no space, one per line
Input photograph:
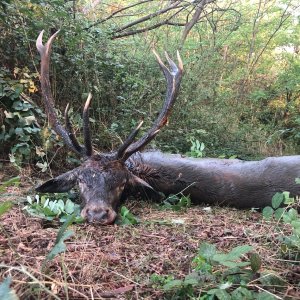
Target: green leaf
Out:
[4,207]
[233,264]
[220,294]
[207,250]
[255,262]
[287,199]
[29,120]
[60,205]
[10,182]
[6,292]
[192,279]
[69,207]
[297,180]
[29,199]
[296,223]
[265,296]
[268,212]
[290,215]
[277,200]
[124,211]
[268,278]
[173,284]
[241,293]
[278,214]
[68,222]
[60,246]
[234,254]
[225,285]
[127,218]
[240,250]
[62,235]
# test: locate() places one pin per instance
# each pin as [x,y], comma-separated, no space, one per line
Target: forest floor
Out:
[118,262]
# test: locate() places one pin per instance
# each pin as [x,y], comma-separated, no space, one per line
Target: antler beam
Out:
[66,133]
[173,76]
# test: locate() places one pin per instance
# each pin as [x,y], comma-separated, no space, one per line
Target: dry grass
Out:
[117,261]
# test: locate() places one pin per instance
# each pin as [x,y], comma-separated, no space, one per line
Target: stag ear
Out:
[142,189]
[59,184]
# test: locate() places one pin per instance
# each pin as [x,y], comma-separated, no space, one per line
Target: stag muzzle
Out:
[103,215]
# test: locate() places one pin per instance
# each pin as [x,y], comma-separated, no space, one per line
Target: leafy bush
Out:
[52,207]
[19,128]
[217,275]
[288,215]
[197,148]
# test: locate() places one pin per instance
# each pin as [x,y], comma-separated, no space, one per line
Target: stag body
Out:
[230,182]
[104,179]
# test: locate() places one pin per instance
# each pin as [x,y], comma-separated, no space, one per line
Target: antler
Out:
[173,78]
[66,133]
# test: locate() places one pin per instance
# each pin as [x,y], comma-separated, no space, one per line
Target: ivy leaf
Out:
[29,120]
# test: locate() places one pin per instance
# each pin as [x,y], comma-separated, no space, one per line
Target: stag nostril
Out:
[89,215]
[101,215]
[97,215]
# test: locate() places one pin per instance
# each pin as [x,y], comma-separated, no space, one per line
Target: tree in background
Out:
[240,92]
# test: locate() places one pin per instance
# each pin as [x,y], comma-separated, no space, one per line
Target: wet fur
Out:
[241,184]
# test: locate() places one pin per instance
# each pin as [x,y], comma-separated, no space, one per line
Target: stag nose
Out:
[103,215]
[97,215]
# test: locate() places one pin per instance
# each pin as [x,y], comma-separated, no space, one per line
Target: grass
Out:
[119,261]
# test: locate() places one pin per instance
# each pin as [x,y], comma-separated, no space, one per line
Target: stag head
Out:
[102,178]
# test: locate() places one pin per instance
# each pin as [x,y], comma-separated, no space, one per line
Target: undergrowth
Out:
[235,274]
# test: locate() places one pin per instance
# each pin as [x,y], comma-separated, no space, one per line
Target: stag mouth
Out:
[99,215]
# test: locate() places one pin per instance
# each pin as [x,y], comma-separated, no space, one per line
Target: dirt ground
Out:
[116,262]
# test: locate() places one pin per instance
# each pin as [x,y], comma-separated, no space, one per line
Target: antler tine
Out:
[129,140]
[70,130]
[67,136]
[173,78]
[86,127]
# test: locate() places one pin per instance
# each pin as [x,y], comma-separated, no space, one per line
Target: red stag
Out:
[104,179]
